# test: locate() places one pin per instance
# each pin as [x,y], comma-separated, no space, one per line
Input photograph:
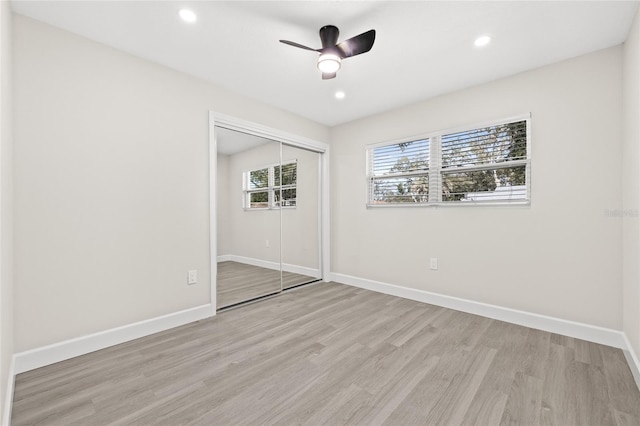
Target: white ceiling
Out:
[229,142]
[422,49]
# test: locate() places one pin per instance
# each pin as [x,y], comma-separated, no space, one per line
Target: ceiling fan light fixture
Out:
[328,63]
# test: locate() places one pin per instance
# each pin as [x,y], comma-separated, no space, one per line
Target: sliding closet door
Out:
[248,215]
[300,201]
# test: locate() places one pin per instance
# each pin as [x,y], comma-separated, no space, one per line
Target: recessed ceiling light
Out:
[188,15]
[339,94]
[482,41]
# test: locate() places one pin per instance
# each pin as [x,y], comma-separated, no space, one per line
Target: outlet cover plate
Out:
[433,263]
[192,277]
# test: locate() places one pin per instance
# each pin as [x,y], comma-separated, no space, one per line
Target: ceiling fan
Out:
[332,52]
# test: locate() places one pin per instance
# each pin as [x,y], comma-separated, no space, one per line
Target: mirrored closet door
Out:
[248,227]
[300,217]
[268,217]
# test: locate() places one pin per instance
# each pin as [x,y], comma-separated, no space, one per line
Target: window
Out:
[400,173]
[271,187]
[488,164]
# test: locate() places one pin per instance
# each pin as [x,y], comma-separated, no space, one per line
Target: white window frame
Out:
[435,169]
[416,172]
[271,188]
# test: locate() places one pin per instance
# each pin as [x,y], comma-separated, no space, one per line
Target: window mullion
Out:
[435,160]
[271,183]
[245,194]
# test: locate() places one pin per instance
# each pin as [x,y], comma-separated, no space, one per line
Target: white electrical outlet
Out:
[192,277]
[433,263]
[266,243]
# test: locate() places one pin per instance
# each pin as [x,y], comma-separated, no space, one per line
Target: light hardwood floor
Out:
[333,354]
[239,282]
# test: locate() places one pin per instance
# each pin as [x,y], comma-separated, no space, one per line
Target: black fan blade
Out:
[328,75]
[329,36]
[294,44]
[356,45]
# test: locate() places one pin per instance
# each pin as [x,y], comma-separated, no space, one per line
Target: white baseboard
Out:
[302,270]
[8,396]
[591,333]
[632,360]
[249,261]
[287,267]
[46,355]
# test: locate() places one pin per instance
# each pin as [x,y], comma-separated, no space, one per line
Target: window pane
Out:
[288,197]
[409,189]
[505,184]
[258,179]
[487,145]
[289,174]
[404,157]
[259,200]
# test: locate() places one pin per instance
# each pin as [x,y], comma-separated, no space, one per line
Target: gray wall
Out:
[111,183]
[6,202]
[561,257]
[631,186]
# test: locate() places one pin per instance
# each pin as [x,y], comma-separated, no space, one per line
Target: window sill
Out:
[526,203]
[268,208]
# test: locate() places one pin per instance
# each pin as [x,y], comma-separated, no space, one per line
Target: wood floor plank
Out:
[333,354]
[487,409]
[397,391]
[524,351]
[346,406]
[555,407]
[589,402]
[317,396]
[622,391]
[524,401]
[238,282]
[455,400]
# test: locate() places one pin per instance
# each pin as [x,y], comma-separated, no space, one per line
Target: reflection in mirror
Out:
[300,200]
[248,217]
